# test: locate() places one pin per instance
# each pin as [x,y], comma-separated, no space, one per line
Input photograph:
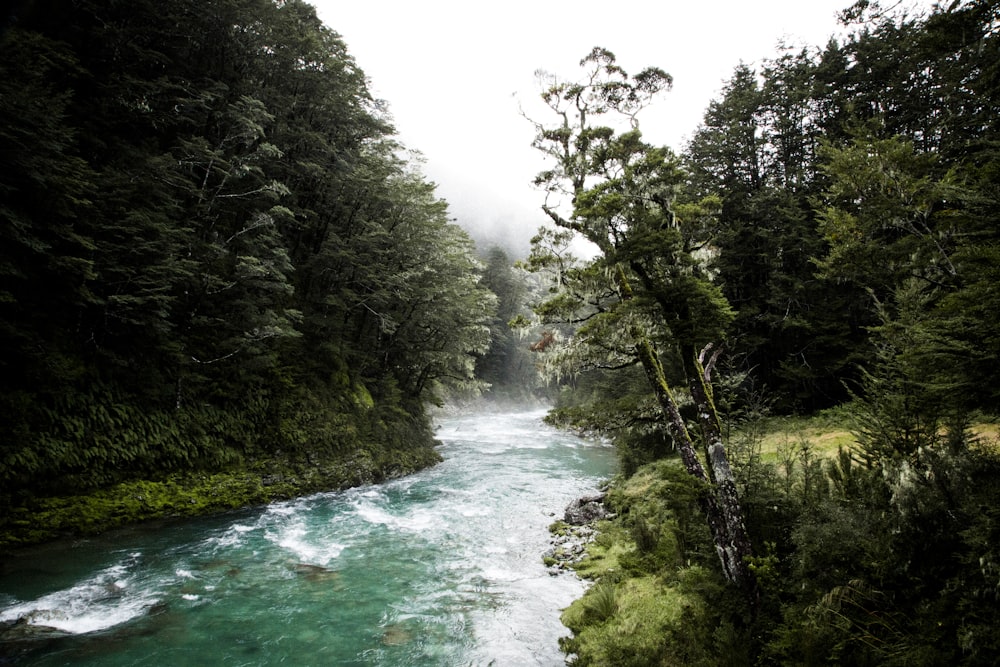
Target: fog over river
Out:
[440,568]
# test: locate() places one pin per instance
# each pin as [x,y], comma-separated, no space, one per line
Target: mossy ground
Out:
[189,494]
[653,579]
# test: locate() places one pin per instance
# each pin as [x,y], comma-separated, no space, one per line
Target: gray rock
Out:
[585,510]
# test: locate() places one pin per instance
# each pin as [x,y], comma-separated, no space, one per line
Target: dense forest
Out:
[827,243]
[215,258]
[223,280]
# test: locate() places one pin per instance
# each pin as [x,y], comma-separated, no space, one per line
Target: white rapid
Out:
[440,568]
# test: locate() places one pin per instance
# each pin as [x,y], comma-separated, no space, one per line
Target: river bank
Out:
[192,494]
[439,567]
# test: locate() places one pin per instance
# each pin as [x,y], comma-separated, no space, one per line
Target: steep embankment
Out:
[385,450]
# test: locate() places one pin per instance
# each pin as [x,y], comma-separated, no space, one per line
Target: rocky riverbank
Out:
[572,533]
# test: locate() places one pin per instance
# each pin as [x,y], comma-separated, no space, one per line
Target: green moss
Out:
[605,553]
[560,528]
[192,494]
[628,623]
[656,600]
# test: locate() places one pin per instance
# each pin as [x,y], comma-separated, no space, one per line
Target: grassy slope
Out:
[653,565]
[826,433]
[190,494]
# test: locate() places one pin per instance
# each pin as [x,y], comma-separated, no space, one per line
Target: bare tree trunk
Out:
[738,542]
[720,502]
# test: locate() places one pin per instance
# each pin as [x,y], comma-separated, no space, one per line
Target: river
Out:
[439,568]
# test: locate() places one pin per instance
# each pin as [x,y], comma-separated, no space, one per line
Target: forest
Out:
[825,245]
[224,281]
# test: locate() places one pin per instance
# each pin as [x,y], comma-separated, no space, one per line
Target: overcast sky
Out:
[455,74]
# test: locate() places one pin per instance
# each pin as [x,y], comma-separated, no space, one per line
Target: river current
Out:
[443,567]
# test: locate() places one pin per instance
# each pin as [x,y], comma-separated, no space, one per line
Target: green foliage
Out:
[260,273]
[886,565]
[752,151]
[903,401]
[865,571]
[865,159]
[853,231]
[657,599]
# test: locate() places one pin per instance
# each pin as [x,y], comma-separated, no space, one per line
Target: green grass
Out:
[604,554]
[823,443]
[826,433]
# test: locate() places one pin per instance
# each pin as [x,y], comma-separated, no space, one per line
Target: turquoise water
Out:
[440,568]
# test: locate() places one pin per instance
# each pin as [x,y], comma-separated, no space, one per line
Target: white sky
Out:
[455,72]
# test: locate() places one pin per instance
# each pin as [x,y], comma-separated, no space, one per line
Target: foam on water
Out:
[305,544]
[233,536]
[416,520]
[441,567]
[107,599]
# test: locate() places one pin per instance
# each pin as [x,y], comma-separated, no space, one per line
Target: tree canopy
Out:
[831,229]
[213,248]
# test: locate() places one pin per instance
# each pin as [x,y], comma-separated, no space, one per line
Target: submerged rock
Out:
[31,626]
[396,635]
[314,572]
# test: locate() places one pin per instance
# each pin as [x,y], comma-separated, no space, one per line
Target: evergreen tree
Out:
[647,285]
[756,151]
[213,251]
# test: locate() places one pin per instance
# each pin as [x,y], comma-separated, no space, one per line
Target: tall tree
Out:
[756,151]
[647,292]
[213,249]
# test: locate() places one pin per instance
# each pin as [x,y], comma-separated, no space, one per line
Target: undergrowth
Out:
[657,598]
